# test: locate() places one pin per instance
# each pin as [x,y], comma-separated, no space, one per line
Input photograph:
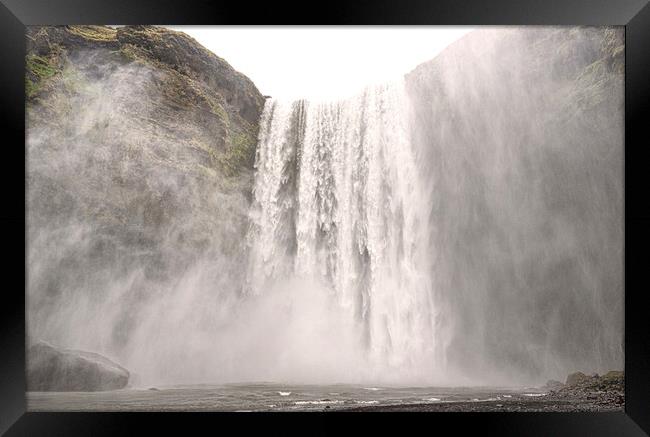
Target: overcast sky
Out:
[323,62]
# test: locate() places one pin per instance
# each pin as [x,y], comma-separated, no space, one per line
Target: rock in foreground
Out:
[611,381]
[52,369]
[576,378]
[603,391]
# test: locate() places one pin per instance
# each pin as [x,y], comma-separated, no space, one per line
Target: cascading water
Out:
[462,226]
[338,202]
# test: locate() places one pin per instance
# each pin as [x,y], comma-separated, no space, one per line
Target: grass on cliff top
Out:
[94,33]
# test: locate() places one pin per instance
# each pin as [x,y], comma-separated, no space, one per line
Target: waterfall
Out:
[461,226]
[338,202]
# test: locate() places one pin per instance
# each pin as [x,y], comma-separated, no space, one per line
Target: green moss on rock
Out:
[37,70]
[240,154]
[217,109]
[131,53]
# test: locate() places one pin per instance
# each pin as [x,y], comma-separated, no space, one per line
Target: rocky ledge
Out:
[53,369]
[607,390]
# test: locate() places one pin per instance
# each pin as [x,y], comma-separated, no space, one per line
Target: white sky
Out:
[323,62]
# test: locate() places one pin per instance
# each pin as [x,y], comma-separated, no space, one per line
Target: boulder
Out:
[576,378]
[614,375]
[613,380]
[53,369]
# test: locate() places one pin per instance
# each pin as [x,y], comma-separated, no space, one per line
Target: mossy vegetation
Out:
[240,153]
[132,53]
[37,70]
[217,109]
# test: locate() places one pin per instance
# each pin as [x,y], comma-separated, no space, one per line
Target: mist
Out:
[461,226]
[521,136]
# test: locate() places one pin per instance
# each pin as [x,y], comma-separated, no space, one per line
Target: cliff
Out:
[521,130]
[191,85]
[140,152]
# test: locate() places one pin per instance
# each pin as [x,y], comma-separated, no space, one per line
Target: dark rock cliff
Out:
[140,151]
[190,82]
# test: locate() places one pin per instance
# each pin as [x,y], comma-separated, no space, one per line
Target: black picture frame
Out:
[633,14]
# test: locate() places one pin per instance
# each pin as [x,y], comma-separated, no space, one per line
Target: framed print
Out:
[391,216]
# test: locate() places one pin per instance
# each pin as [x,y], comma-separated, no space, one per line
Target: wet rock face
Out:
[521,139]
[164,48]
[183,54]
[140,149]
[178,85]
[52,369]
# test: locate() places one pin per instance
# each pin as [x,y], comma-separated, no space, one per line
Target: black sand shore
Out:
[545,404]
[580,393]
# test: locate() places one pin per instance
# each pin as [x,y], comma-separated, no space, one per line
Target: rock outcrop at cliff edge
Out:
[52,369]
[191,83]
[140,150]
